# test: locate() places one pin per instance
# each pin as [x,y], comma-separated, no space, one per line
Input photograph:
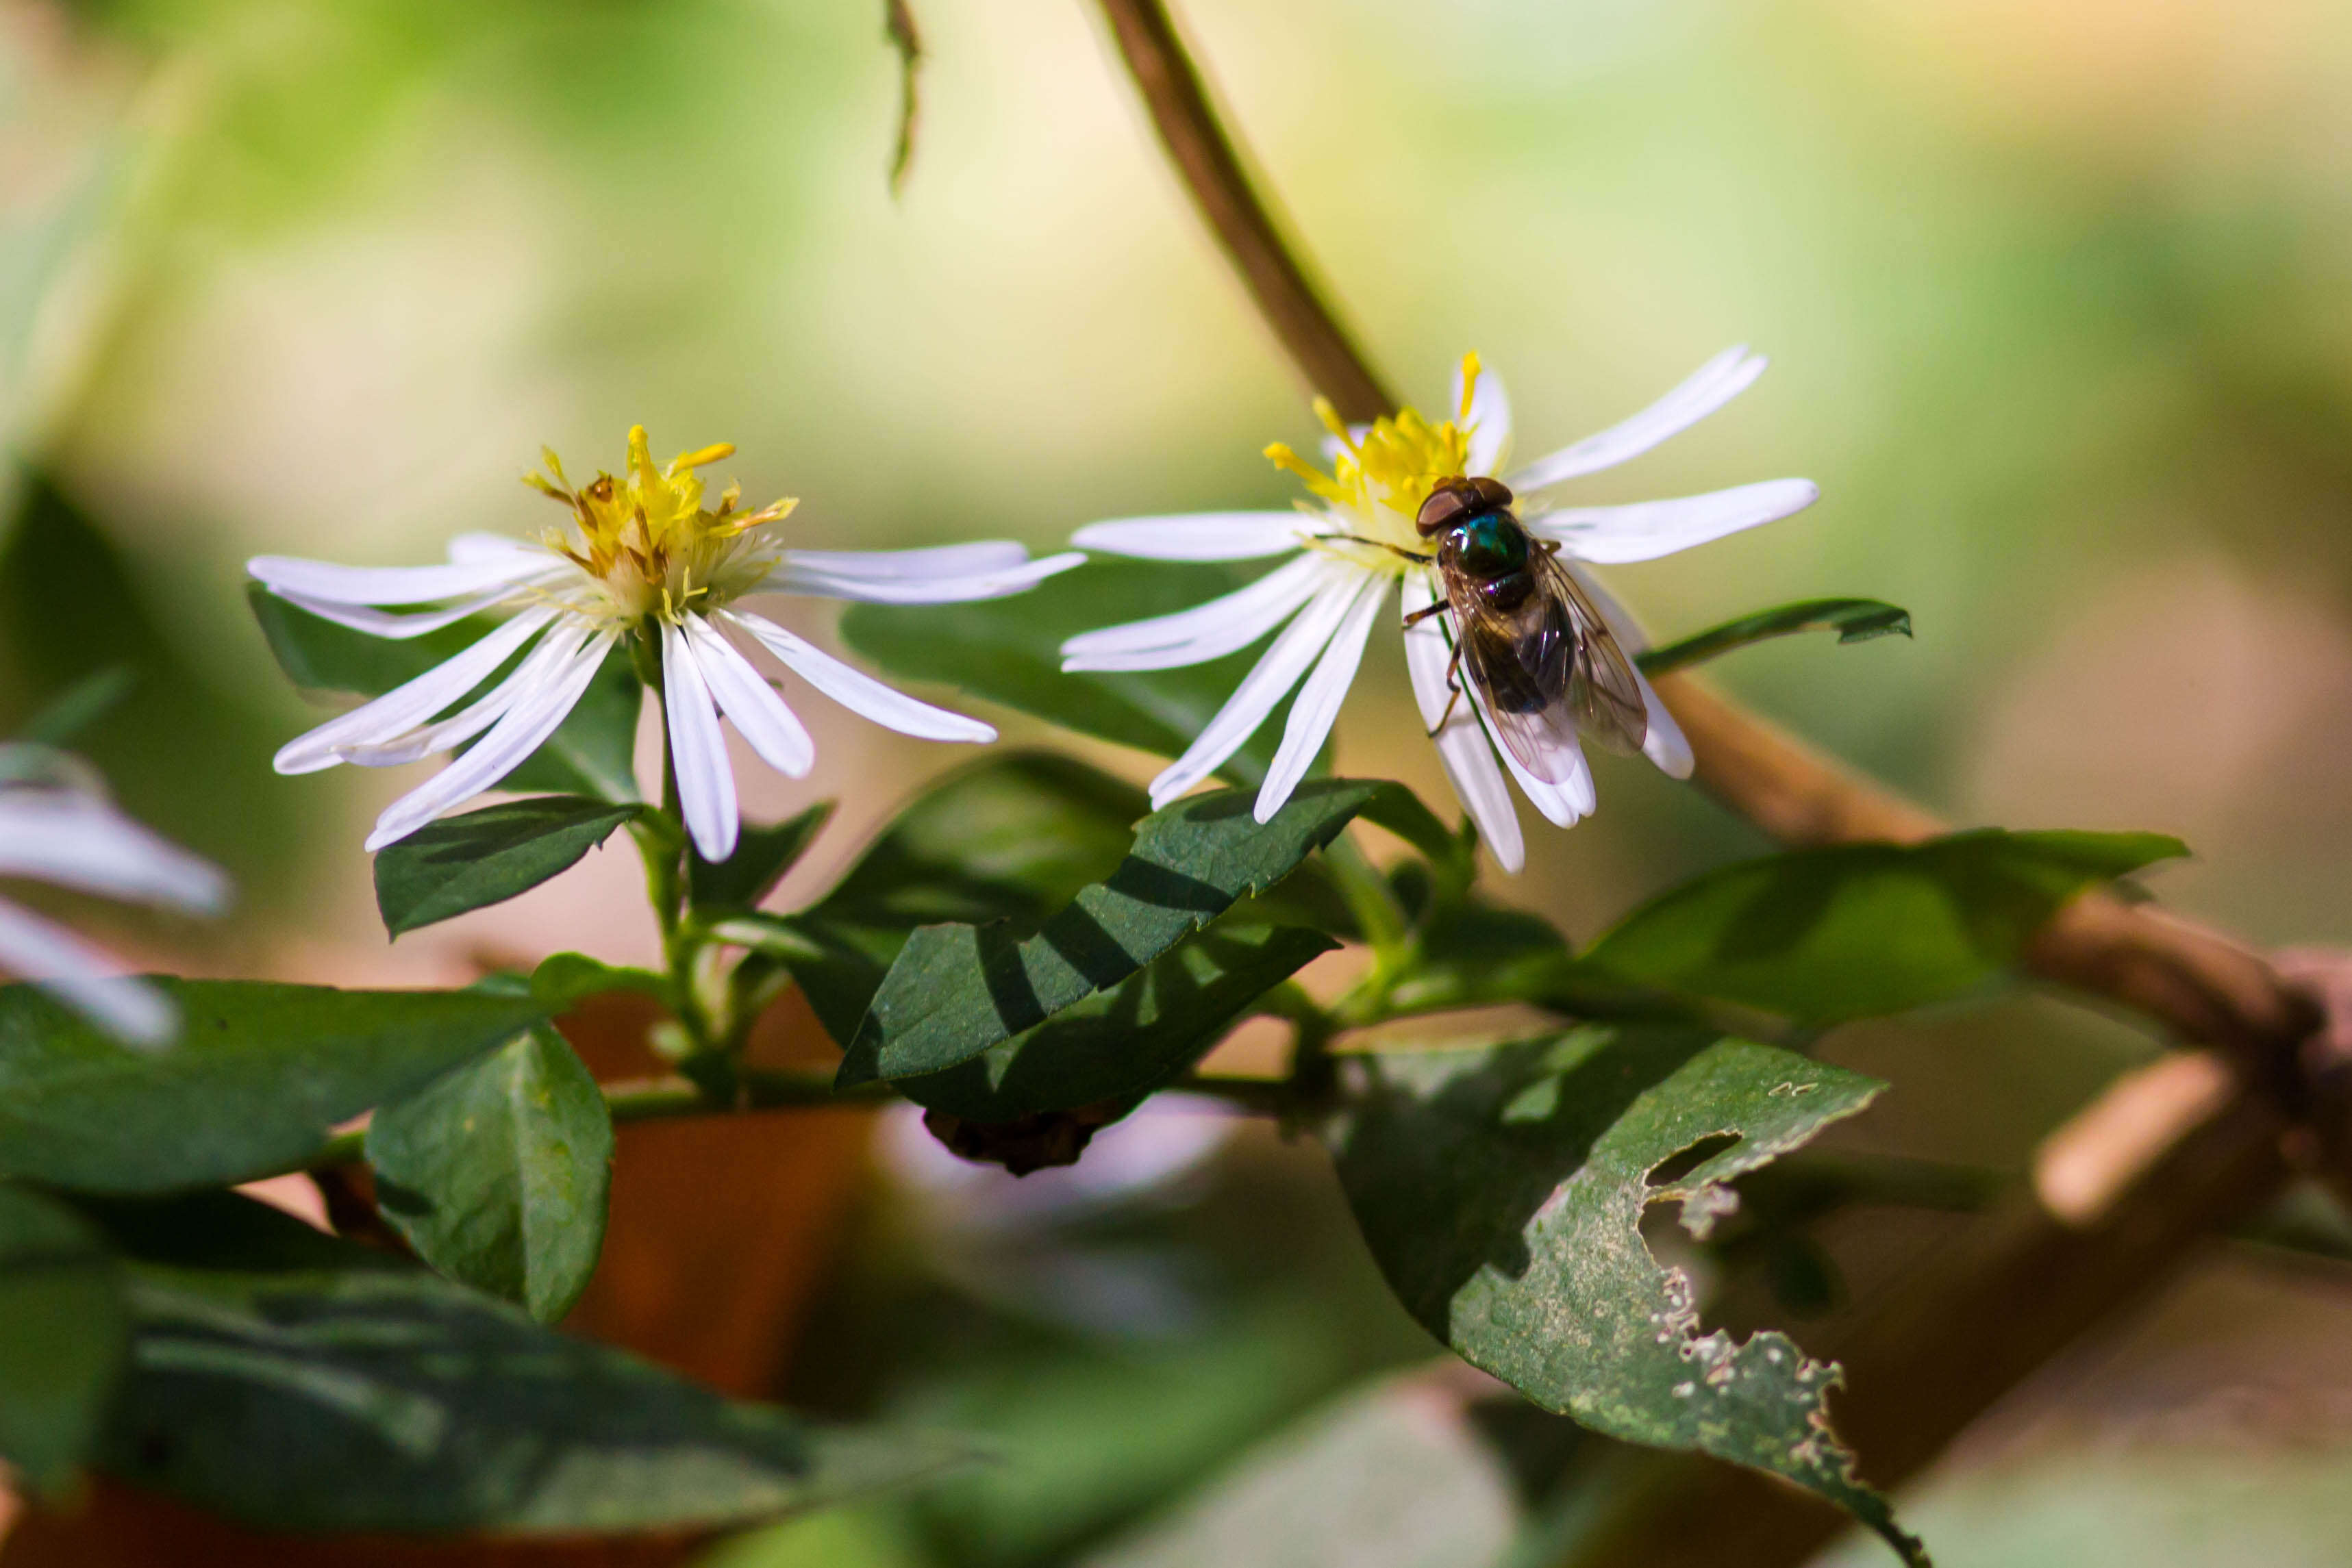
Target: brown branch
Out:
[1196,139]
[2160,1172]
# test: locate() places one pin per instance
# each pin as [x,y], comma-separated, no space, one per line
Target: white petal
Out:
[1711,386]
[1648,530]
[524,728]
[397,627]
[1488,421]
[1205,631]
[466,548]
[324,580]
[1563,804]
[79,841]
[1195,536]
[554,650]
[1665,743]
[1318,707]
[1266,684]
[902,565]
[412,704]
[698,751]
[760,714]
[1461,745]
[795,577]
[855,690]
[85,979]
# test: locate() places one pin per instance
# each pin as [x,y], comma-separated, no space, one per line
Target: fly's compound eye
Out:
[1452,502]
[1493,495]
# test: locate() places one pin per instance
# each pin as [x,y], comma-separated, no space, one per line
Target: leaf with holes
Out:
[260,1076]
[1855,930]
[1501,1192]
[497,1172]
[956,992]
[462,864]
[1854,619]
[65,1336]
[298,1382]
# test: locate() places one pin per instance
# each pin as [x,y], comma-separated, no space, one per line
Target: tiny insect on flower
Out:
[57,826]
[1516,654]
[639,556]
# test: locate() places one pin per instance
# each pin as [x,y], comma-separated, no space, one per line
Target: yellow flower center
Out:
[1380,475]
[647,541]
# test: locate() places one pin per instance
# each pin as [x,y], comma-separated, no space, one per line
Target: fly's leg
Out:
[1414,556]
[1453,683]
[1421,614]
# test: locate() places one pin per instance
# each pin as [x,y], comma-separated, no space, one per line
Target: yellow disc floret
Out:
[1381,474]
[647,542]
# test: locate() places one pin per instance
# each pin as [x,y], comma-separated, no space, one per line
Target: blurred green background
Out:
[2056,297]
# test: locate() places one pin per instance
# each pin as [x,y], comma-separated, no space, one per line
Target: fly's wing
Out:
[1547,672]
[1602,689]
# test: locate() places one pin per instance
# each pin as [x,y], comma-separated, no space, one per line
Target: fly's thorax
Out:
[1489,547]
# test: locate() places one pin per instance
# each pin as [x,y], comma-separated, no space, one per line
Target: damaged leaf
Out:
[1501,1191]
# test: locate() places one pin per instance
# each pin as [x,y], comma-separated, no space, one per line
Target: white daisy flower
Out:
[639,557]
[56,826]
[1358,538]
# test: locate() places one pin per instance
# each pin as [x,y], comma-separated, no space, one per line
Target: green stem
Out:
[775,1089]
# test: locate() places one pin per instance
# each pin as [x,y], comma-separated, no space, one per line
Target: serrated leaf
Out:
[1012,837]
[589,753]
[1131,1040]
[470,861]
[309,1385]
[957,990]
[65,1336]
[1502,1191]
[260,1075]
[761,857]
[1854,619]
[1855,930]
[1009,651]
[496,1172]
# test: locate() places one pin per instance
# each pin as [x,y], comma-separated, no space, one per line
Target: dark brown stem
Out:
[1195,136]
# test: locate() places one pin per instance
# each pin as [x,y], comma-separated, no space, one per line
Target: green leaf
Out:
[1009,651]
[260,1075]
[1502,1191]
[957,990]
[1126,1041]
[1854,619]
[563,980]
[320,656]
[496,1172]
[761,857]
[1855,930]
[64,1337]
[589,754]
[1012,837]
[311,1386]
[467,862]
